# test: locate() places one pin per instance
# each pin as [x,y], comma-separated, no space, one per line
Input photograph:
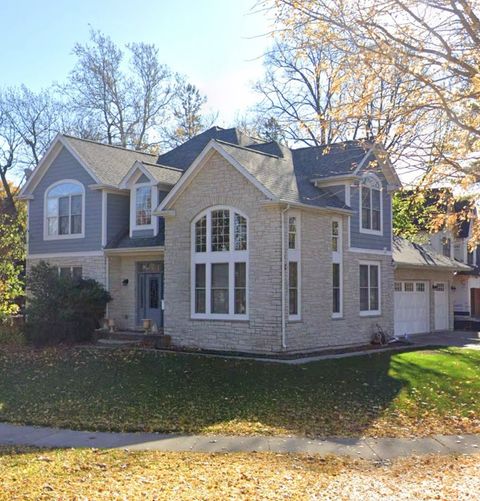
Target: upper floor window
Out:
[143,205]
[292,232]
[220,264]
[294,267]
[371,204]
[446,246]
[64,205]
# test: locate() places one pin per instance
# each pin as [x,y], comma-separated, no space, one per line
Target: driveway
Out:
[464,339]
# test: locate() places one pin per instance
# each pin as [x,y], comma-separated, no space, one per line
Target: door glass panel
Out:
[153,292]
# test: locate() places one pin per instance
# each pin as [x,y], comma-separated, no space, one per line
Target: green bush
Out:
[12,331]
[62,309]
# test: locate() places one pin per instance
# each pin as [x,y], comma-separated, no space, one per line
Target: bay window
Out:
[219,264]
[64,202]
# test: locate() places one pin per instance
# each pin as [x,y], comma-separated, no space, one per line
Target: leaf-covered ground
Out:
[29,474]
[413,393]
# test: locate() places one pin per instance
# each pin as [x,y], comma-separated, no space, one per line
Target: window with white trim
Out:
[371,204]
[369,288]
[64,203]
[294,267]
[337,269]
[220,264]
[446,246]
[143,205]
[70,271]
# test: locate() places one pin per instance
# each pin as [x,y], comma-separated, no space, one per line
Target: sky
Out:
[217,44]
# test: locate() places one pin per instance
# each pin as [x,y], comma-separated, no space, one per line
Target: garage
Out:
[423,288]
[411,308]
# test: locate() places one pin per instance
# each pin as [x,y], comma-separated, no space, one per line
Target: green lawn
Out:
[410,393]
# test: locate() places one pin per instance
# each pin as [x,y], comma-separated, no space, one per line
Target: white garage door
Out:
[412,312]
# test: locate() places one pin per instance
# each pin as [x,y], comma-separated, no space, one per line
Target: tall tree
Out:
[28,123]
[432,44]
[188,120]
[318,93]
[123,106]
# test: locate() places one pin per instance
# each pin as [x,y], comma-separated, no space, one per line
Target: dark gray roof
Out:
[109,163]
[124,241]
[183,156]
[333,160]
[281,178]
[409,254]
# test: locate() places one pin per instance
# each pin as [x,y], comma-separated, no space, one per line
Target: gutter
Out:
[300,205]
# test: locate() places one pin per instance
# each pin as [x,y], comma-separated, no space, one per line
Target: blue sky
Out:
[218,44]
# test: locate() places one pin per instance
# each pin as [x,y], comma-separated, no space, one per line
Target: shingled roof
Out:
[408,254]
[109,163]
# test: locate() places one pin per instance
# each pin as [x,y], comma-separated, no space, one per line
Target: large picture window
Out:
[371,204]
[220,264]
[369,288]
[64,204]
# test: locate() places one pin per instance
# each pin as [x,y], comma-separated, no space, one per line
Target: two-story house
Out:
[457,245]
[225,242]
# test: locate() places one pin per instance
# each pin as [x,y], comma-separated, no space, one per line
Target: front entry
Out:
[475,302]
[150,292]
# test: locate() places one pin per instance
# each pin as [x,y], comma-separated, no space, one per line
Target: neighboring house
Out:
[226,242]
[455,245]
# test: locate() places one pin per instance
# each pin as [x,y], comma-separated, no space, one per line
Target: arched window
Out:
[64,210]
[371,204]
[220,264]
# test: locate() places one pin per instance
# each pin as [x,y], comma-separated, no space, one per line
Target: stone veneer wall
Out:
[219,183]
[317,329]
[92,266]
[430,277]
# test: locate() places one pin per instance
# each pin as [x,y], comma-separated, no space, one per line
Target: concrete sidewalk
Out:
[365,448]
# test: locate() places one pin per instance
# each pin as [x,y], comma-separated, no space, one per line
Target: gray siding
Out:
[65,166]
[365,240]
[142,233]
[118,211]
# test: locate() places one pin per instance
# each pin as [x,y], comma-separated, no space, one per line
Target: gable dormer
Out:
[148,185]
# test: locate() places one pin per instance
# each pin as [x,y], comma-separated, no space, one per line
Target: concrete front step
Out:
[117,343]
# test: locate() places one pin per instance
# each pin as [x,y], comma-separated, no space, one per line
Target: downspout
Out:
[284,338]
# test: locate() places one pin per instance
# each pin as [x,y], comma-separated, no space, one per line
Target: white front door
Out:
[412,312]
[440,303]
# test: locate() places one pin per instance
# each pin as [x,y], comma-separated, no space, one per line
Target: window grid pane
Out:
[143,205]
[293,287]
[370,288]
[366,208]
[201,235]
[336,287]
[219,288]
[335,235]
[220,230]
[200,288]
[240,288]
[292,232]
[240,232]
